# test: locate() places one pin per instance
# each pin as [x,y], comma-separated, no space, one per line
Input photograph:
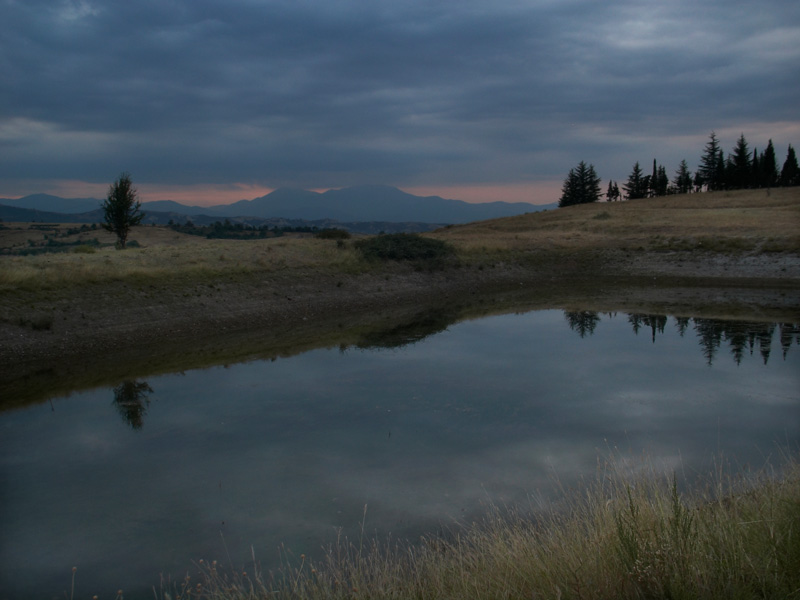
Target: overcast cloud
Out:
[425,95]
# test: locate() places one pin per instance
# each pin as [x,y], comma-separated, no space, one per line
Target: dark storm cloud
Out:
[326,94]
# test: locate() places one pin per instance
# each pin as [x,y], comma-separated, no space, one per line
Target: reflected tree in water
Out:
[419,327]
[583,322]
[682,324]
[709,331]
[789,333]
[656,323]
[131,399]
[742,337]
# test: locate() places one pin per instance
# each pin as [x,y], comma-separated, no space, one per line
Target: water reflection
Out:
[419,327]
[292,449]
[131,398]
[743,337]
[583,322]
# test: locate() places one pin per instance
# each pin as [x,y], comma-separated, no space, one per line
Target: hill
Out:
[371,203]
[53,204]
[352,205]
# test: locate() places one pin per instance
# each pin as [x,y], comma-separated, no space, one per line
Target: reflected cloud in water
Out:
[426,422]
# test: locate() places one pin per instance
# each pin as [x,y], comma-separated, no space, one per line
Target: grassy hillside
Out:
[728,222]
[740,221]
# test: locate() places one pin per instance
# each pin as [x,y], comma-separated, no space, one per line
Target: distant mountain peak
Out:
[360,203]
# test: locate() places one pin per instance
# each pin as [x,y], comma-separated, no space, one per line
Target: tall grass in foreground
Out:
[624,537]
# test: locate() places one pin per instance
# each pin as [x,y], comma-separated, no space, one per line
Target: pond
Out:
[407,432]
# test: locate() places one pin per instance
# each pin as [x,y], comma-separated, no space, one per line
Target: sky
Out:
[212,101]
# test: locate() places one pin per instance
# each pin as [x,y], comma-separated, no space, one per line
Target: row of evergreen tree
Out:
[740,169]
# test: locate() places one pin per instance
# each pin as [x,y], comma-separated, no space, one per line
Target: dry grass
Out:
[748,220]
[626,536]
[164,255]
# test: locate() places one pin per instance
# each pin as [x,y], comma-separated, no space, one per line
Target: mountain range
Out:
[354,204]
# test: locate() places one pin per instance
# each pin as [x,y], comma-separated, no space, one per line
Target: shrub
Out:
[333,234]
[406,247]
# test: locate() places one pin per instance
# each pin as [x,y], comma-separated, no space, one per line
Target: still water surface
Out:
[142,478]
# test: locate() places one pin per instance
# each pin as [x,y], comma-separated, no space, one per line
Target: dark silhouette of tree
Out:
[765,334]
[768,167]
[683,179]
[658,181]
[710,333]
[789,333]
[637,185]
[709,164]
[581,186]
[121,209]
[612,194]
[131,400]
[737,338]
[723,170]
[755,170]
[790,173]
[682,323]
[656,323]
[697,181]
[741,169]
[583,322]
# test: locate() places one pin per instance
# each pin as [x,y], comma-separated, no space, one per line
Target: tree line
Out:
[240,231]
[740,169]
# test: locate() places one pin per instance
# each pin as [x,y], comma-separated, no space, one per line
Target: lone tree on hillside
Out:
[121,209]
[581,186]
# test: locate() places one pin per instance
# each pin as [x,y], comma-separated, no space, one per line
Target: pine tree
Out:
[683,178]
[637,185]
[721,173]
[790,174]
[612,194]
[662,181]
[741,169]
[653,183]
[755,170]
[121,209]
[709,162]
[581,186]
[697,181]
[769,167]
